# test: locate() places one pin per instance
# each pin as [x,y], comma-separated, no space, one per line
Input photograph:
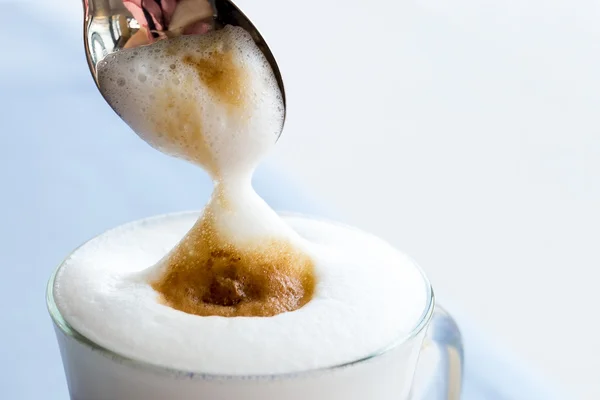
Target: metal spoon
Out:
[111,26]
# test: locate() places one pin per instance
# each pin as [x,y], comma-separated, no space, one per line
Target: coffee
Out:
[368,295]
[208,275]
[240,290]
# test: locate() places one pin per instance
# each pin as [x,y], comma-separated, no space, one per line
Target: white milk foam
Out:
[368,295]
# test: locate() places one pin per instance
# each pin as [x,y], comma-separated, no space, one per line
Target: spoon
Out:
[114,25]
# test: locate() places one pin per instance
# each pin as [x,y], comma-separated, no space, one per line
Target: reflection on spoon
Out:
[168,18]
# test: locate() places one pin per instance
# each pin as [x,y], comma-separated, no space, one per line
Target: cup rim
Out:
[61,323]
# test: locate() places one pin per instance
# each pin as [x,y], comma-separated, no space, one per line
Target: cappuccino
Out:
[367,296]
[236,290]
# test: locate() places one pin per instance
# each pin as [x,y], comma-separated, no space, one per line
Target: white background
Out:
[467,133]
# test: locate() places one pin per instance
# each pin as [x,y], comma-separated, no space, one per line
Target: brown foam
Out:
[178,119]
[218,70]
[207,275]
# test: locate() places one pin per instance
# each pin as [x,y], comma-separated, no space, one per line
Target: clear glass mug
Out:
[432,351]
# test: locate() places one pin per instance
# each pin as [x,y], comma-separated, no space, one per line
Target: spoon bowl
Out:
[114,25]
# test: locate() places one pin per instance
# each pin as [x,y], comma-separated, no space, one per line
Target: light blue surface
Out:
[65,181]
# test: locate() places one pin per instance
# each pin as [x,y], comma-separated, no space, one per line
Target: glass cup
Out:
[432,350]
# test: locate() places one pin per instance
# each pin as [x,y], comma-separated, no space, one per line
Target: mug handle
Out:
[443,337]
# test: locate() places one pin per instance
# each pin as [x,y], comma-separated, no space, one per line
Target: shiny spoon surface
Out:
[115,25]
